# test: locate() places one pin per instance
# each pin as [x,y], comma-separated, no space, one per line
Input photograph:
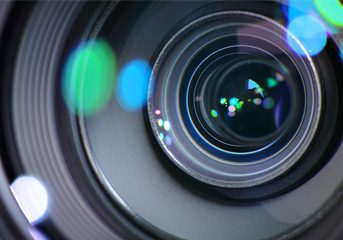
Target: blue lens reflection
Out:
[298,8]
[132,85]
[306,27]
[310,32]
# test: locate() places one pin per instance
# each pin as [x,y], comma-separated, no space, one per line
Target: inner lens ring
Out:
[203,107]
[188,88]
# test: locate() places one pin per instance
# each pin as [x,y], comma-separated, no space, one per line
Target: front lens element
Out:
[241,107]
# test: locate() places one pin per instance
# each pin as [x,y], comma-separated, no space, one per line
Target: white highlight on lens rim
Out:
[37,235]
[31,196]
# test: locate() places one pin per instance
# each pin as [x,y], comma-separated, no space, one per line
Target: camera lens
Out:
[231,103]
[171,120]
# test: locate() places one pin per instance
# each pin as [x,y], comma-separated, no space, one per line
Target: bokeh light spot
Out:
[268,103]
[234,101]
[279,77]
[232,109]
[231,114]
[168,140]
[214,113]
[310,32]
[166,125]
[32,197]
[160,122]
[89,77]
[271,82]
[158,112]
[223,101]
[198,98]
[239,105]
[257,101]
[161,136]
[331,10]
[132,85]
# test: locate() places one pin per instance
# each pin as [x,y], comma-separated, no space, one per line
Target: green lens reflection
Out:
[331,10]
[214,113]
[89,77]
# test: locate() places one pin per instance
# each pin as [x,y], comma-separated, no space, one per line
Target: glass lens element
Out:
[238,101]
[245,101]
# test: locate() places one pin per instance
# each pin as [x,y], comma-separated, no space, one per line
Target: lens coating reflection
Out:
[310,32]
[89,77]
[243,100]
[250,111]
[132,85]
